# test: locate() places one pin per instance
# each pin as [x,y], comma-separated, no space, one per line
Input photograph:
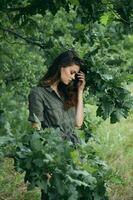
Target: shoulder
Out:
[42,93]
[37,90]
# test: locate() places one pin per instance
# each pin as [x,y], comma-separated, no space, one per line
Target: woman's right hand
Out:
[36,125]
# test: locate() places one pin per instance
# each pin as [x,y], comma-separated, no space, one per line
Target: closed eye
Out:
[73,72]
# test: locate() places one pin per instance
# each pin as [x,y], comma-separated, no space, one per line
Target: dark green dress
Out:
[47,107]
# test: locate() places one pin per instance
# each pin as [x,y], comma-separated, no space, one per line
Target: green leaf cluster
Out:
[76,172]
[32,34]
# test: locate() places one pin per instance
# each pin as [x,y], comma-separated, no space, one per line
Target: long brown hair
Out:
[53,74]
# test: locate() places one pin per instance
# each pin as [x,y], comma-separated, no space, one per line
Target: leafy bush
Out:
[63,170]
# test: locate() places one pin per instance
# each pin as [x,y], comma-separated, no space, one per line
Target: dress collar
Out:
[48,88]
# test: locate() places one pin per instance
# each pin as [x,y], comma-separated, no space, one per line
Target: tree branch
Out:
[28,40]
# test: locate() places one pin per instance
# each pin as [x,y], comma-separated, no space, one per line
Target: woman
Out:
[57,101]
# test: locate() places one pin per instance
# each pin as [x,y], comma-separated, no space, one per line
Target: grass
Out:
[12,186]
[116,147]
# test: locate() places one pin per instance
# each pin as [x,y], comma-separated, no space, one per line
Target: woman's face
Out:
[68,73]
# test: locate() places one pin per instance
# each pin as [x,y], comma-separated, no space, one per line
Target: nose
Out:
[73,76]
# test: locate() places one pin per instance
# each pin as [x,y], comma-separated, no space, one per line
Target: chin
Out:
[66,82]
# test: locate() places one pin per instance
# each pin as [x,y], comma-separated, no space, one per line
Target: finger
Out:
[81,74]
[82,80]
[81,77]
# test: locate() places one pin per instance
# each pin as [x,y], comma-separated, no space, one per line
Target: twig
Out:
[28,40]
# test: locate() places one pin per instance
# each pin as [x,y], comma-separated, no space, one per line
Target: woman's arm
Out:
[36,108]
[80,108]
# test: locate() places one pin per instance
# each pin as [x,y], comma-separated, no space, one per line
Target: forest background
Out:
[32,33]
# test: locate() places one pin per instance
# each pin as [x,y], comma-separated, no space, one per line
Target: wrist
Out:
[80,92]
[80,95]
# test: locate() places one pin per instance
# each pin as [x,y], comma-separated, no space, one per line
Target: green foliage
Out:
[107,68]
[12,186]
[107,73]
[76,171]
[117,149]
[32,34]
[87,10]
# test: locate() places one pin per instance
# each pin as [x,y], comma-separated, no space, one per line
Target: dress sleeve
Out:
[36,107]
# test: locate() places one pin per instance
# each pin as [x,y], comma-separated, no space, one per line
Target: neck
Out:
[54,86]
